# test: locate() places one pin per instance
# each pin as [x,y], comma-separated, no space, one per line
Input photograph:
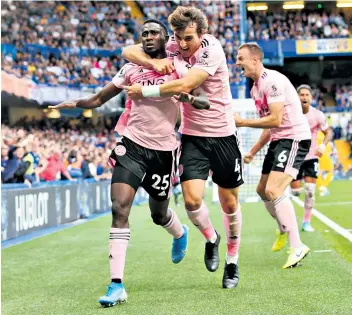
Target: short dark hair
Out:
[158,22]
[254,49]
[304,86]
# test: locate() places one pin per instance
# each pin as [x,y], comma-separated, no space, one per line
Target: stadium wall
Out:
[25,210]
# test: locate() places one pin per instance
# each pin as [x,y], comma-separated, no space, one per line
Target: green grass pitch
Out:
[66,272]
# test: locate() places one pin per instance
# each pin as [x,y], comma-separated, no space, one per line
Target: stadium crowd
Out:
[342,95]
[68,28]
[66,24]
[49,150]
[71,27]
[264,25]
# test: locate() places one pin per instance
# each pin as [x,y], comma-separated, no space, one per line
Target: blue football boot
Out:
[179,246]
[116,294]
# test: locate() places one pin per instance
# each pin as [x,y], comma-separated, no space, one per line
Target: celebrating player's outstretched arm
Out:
[92,101]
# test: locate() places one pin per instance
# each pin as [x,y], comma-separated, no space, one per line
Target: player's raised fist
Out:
[163,66]
[248,157]
[238,120]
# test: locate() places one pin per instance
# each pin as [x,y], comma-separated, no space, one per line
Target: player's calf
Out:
[309,200]
[201,220]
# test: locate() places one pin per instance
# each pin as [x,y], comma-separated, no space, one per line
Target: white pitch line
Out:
[337,203]
[322,251]
[331,224]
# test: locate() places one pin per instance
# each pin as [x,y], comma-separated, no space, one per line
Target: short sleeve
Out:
[121,78]
[209,59]
[274,91]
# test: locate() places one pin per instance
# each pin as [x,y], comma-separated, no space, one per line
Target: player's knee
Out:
[261,191]
[159,219]
[192,203]
[272,192]
[296,191]
[120,210]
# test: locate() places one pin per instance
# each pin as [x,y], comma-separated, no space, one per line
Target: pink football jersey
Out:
[316,121]
[274,87]
[218,121]
[151,121]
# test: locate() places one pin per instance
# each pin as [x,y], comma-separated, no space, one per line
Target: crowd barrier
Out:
[44,205]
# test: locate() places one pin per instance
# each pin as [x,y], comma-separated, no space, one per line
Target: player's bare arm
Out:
[328,135]
[193,79]
[92,101]
[272,120]
[262,141]
[136,54]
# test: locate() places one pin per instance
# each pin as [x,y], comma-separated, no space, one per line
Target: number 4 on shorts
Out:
[238,170]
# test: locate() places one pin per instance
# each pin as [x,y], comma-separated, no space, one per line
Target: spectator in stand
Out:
[51,167]
[349,137]
[74,163]
[16,167]
[4,156]
[343,122]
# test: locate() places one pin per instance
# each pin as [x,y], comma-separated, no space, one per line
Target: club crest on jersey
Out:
[262,108]
[120,150]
